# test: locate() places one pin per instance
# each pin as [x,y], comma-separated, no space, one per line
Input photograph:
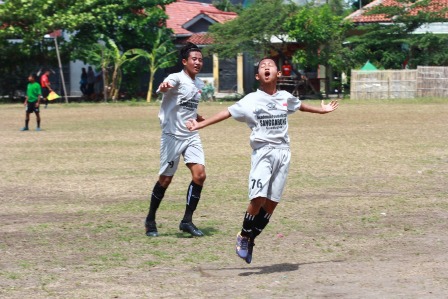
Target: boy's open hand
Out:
[192,124]
[333,105]
[164,86]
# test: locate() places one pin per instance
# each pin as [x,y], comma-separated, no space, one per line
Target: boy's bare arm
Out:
[164,86]
[324,108]
[193,124]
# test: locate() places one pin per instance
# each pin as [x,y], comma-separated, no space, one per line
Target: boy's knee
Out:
[199,178]
[165,181]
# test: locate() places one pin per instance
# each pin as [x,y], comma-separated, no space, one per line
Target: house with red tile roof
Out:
[190,21]
[363,15]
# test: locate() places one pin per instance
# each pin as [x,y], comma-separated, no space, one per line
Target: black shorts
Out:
[45,92]
[31,107]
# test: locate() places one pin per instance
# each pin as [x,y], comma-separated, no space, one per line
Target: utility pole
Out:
[60,69]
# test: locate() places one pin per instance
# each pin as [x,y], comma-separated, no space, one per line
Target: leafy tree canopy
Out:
[393,45]
[321,33]
[252,30]
[129,23]
[227,5]
[124,20]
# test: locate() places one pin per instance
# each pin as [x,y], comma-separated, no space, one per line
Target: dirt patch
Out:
[364,214]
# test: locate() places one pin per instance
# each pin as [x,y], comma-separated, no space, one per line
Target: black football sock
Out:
[248,224]
[260,222]
[157,195]
[193,196]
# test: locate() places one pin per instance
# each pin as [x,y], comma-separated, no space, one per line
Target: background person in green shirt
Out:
[32,101]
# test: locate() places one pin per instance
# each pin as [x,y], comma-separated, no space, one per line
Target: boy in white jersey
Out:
[266,113]
[181,95]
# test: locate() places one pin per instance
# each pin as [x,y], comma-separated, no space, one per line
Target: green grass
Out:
[74,197]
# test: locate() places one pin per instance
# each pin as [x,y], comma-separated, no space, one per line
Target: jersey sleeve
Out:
[238,110]
[294,104]
[173,79]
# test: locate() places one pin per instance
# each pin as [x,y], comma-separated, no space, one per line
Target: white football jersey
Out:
[179,104]
[267,117]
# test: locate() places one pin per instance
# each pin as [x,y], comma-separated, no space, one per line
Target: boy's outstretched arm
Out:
[324,108]
[164,86]
[193,124]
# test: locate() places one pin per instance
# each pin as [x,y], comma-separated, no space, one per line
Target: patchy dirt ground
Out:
[365,213]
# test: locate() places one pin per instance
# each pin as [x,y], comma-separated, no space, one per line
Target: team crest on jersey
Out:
[271,106]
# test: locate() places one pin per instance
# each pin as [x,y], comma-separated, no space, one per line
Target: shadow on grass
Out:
[269,269]
[208,232]
[279,268]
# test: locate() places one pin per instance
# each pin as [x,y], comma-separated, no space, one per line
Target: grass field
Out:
[364,214]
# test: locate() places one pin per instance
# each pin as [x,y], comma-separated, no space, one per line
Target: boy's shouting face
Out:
[267,71]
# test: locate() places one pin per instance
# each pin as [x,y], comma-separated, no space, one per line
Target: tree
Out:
[22,45]
[321,34]
[111,59]
[158,58]
[394,45]
[381,45]
[427,49]
[129,23]
[227,5]
[230,39]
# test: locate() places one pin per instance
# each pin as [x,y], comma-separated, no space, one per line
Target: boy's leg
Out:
[37,120]
[263,216]
[27,121]
[193,196]
[244,237]
[169,161]
[253,225]
[157,195]
[260,222]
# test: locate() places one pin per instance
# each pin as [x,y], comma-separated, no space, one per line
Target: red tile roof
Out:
[183,11]
[200,39]
[359,16]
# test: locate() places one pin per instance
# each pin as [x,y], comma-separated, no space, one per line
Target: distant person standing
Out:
[83,82]
[90,81]
[46,86]
[98,86]
[286,69]
[32,102]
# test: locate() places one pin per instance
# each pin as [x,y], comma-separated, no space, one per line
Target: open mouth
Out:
[267,73]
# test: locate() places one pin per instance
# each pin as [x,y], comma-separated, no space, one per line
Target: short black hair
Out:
[189,47]
[264,58]
[34,76]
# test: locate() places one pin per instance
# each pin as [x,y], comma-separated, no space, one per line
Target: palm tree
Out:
[158,58]
[111,59]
